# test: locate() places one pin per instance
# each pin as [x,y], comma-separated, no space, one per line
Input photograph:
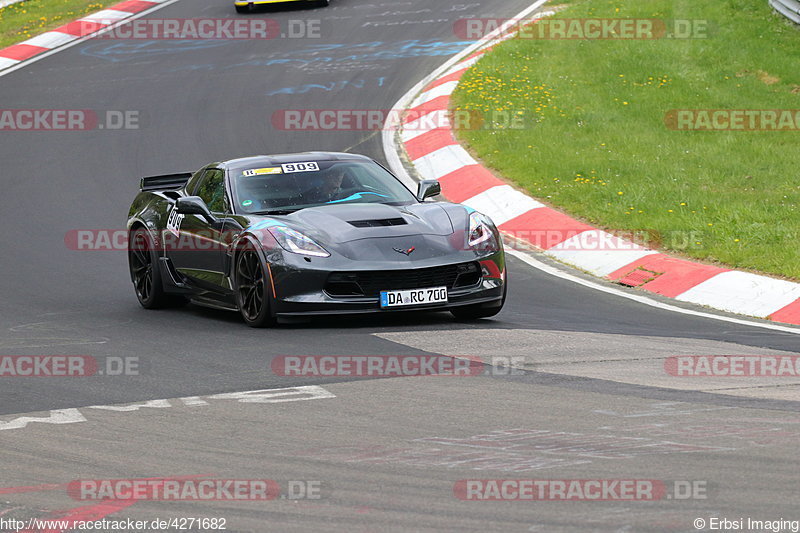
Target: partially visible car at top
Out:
[243,6]
[308,234]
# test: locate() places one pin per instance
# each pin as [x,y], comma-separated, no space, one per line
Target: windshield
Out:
[294,186]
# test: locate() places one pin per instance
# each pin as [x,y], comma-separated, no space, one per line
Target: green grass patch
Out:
[22,21]
[596,143]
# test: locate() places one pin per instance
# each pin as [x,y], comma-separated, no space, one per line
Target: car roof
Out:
[280,159]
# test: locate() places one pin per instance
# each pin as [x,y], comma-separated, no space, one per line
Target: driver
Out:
[328,186]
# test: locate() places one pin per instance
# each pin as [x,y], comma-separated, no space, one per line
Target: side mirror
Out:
[428,188]
[194,205]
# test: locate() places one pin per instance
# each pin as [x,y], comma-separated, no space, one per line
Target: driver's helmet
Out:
[327,184]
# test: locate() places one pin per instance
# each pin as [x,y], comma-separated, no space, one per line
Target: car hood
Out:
[339,224]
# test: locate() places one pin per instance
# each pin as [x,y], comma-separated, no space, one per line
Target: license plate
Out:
[413,297]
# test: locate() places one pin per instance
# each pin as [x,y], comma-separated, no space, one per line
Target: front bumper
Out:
[301,291]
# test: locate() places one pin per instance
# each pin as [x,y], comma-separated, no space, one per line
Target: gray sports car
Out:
[285,236]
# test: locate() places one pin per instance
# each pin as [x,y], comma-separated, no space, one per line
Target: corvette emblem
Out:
[405,252]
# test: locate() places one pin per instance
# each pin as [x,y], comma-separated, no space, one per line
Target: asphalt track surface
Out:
[201,101]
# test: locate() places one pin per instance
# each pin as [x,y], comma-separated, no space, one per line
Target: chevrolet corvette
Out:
[288,236]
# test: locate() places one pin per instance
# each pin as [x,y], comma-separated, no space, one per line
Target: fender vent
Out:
[382,222]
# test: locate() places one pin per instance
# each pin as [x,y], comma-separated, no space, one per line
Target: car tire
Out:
[252,289]
[474,312]
[322,3]
[243,9]
[145,272]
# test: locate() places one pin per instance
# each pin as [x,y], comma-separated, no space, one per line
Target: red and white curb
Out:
[430,145]
[73,31]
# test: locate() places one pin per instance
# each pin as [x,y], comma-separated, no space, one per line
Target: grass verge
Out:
[597,143]
[24,20]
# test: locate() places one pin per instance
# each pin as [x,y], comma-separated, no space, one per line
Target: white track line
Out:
[553,271]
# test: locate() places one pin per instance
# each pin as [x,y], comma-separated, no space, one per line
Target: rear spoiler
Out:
[167,182]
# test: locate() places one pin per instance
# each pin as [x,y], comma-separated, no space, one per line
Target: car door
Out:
[199,253]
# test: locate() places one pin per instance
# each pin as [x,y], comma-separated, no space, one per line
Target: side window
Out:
[212,190]
[191,185]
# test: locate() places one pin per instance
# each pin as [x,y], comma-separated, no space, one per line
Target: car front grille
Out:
[371,283]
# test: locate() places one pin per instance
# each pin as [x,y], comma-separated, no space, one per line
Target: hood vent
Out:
[378,223]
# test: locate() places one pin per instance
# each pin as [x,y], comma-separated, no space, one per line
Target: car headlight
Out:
[297,243]
[480,229]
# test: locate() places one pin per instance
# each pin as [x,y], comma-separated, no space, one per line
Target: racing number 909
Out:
[174,221]
[300,167]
